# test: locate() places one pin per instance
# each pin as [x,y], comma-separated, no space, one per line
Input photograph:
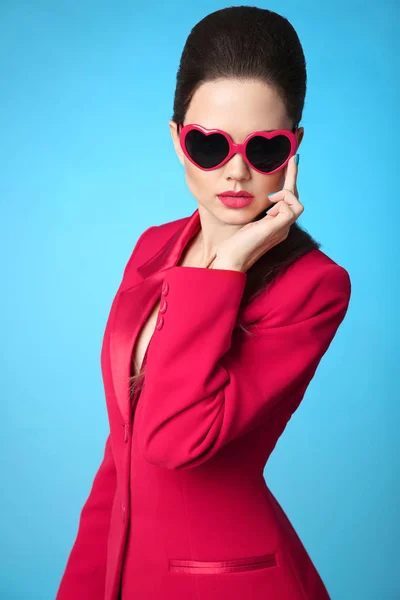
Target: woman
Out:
[215,332]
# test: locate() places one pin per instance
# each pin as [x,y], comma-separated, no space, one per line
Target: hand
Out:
[252,240]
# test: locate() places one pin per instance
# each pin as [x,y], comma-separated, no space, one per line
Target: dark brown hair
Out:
[248,43]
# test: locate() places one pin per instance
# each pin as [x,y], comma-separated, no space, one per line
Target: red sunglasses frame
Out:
[237,148]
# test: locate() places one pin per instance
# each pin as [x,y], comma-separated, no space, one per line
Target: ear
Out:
[175,138]
[299,135]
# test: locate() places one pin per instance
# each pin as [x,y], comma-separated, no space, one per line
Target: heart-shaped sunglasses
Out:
[264,151]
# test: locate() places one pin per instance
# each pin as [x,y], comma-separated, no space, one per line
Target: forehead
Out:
[237,107]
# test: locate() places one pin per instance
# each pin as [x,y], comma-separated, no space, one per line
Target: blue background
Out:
[84,89]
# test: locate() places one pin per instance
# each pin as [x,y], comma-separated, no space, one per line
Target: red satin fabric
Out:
[223,566]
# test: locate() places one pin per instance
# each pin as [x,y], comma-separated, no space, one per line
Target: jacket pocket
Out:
[234,565]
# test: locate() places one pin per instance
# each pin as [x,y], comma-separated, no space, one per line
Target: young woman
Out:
[214,335]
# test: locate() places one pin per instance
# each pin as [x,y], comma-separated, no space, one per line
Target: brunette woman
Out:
[214,335]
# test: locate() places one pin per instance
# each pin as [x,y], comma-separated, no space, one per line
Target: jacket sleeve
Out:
[208,383]
[84,575]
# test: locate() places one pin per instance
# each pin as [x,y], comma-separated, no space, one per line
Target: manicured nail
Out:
[297,159]
[271,194]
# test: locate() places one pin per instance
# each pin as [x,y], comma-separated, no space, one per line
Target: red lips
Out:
[240,193]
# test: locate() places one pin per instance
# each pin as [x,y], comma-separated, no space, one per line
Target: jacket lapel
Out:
[140,290]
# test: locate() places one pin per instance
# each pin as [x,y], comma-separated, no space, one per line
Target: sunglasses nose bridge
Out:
[237,149]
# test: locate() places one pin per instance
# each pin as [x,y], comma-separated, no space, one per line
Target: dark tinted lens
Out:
[267,155]
[206,150]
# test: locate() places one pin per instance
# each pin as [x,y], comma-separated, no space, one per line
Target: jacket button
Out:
[165,288]
[123,512]
[160,322]
[163,306]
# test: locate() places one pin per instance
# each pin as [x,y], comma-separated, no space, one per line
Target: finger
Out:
[281,212]
[291,175]
[289,198]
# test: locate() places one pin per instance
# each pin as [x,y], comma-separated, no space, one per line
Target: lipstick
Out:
[233,199]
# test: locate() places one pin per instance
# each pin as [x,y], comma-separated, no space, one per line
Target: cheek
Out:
[202,184]
[272,183]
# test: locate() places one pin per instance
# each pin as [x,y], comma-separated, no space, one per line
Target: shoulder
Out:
[310,269]
[163,231]
[155,236]
[312,284]
[159,234]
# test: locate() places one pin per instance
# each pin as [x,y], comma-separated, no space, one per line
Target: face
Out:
[238,108]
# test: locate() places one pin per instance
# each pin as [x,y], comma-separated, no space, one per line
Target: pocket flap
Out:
[233,565]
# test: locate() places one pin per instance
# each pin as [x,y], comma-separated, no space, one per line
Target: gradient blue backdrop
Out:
[85,88]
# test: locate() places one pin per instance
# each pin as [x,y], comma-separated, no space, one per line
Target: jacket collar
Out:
[170,253]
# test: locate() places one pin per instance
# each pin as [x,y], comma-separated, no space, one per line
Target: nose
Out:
[237,168]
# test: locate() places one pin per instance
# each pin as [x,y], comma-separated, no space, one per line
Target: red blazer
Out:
[179,508]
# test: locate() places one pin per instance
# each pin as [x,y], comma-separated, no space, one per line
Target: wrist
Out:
[227,264]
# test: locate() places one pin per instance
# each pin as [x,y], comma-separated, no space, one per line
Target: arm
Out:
[201,389]
[84,575]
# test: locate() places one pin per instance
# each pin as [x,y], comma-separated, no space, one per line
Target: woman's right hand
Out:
[251,241]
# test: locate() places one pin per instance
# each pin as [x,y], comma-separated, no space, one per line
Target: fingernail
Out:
[297,159]
[271,194]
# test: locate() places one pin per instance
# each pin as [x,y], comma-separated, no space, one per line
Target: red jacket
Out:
[179,508]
